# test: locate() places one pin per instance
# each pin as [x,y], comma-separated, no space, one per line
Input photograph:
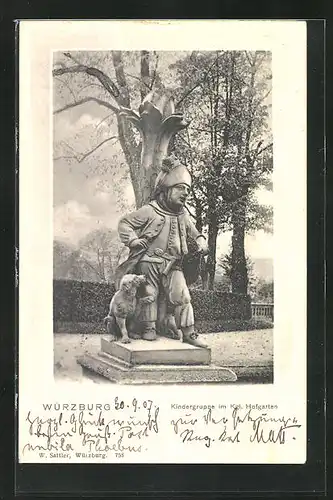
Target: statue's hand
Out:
[202,246]
[139,243]
[149,299]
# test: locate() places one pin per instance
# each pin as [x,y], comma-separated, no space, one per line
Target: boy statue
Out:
[158,236]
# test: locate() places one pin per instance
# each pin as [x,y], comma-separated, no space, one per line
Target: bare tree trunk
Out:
[144,73]
[211,259]
[132,151]
[198,216]
[204,274]
[204,278]
[238,274]
[132,155]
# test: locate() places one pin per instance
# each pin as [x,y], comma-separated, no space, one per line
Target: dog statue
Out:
[123,308]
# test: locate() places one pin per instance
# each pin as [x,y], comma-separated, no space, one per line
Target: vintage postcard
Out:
[162,278]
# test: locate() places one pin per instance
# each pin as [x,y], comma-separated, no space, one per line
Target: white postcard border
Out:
[287,41]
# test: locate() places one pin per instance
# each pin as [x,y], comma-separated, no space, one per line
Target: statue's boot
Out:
[149,330]
[134,336]
[191,337]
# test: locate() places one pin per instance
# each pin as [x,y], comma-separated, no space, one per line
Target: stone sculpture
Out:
[164,246]
[158,233]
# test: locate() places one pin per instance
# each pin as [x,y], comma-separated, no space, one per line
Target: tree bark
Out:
[144,73]
[198,215]
[238,274]
[132,155]
[211,258]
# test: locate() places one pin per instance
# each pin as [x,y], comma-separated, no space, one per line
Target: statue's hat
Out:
[172,172]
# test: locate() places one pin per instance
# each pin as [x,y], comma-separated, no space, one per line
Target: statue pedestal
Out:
[164,361]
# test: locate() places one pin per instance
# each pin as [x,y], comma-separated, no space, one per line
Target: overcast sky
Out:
[93,193]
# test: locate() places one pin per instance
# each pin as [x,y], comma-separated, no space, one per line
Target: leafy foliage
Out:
[260,290]
[227,146]
[225,262]
[263,291]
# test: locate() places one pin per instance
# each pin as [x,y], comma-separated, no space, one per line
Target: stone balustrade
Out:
[262,311]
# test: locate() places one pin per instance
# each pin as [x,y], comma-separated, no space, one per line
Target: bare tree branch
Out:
[104,79]
[91,85]
[68,145]
[189,92]
[69,69]
[181,137]
[96,271]
[70,56]
[103,120]
[263,149]
[81,158]
[251,62]
[137,78]
[247,57]
[83,101]
[68,86]
[264,96]
[61,64]
[98,146]
[66,157]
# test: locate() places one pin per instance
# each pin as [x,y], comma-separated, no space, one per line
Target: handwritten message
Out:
[84,431]
[234,423]
[126,429]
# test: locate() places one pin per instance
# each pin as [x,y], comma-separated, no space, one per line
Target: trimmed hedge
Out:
[201,326]
[82,301]
[214,304]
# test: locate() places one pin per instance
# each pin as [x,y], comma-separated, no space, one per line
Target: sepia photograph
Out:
[163,282]
[163,216]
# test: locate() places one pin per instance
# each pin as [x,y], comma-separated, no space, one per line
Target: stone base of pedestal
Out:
[164,361]
[122,373]
[163,351]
